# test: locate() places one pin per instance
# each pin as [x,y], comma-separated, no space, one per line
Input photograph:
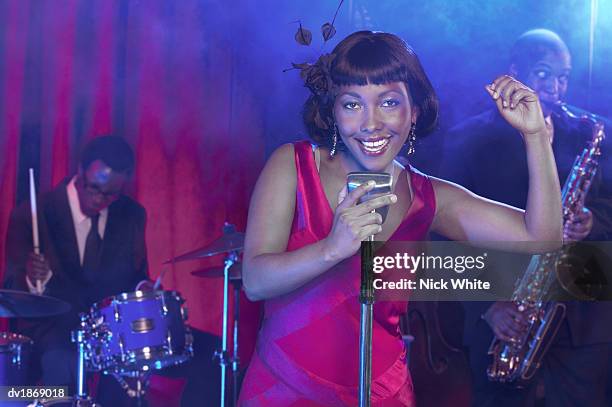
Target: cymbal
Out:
[235,272]
[230,241]
[21,304]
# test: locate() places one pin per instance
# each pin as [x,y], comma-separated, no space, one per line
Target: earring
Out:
[411,139]
[334,141]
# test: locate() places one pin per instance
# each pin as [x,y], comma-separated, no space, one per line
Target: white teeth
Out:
[374,146]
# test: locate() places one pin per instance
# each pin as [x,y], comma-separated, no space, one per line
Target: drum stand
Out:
[224,361]
[78,337]
[366,298]
[80,399]
[142,382]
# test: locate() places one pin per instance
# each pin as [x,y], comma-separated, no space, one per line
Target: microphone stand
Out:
[366,298]
[383,184]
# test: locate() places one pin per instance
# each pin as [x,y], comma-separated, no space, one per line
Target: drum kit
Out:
[129,335]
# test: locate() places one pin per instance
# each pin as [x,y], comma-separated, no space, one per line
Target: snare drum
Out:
[138,331]
[15,352]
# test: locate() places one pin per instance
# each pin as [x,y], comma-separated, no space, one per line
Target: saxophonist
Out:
[575,367]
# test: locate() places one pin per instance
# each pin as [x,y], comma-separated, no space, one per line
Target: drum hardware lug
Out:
[116,311]
[17,358]
[122,347]
[15,349]
[169,342]
[222,357]
[164,306]
[146,352]
[108,335]
[189,342]
[184,313]
[84,321]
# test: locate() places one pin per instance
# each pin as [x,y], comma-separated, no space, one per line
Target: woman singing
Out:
[370,97]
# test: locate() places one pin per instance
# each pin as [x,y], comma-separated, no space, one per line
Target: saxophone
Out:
[517,362]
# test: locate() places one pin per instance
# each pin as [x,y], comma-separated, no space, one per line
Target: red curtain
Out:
[12,19]
[163,75]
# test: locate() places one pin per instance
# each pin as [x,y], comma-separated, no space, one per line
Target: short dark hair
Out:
[532,45]
[114,151]
[367,57]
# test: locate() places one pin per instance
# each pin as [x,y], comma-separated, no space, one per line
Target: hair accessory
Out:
[317,76]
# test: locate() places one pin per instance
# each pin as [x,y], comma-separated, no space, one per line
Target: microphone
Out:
[383,183]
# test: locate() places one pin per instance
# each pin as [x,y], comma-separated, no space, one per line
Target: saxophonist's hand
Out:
[506,321]
[518,105]
[579,226]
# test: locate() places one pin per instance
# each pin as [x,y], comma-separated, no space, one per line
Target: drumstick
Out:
[159,279]
[35,241]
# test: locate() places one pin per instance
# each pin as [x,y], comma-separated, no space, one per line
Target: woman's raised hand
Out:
[519,106]
[354,222]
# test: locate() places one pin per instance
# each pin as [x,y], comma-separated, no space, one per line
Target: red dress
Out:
[307,351]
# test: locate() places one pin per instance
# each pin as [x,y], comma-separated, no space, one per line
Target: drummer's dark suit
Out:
[123,264]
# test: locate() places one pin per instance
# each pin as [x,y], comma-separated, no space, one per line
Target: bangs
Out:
[371,62]
[371,58]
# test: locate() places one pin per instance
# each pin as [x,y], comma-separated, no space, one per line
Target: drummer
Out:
[92,245]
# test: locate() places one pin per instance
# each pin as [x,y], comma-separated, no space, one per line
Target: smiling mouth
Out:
[374,146]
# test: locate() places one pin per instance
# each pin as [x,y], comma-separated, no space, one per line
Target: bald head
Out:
[532,46]
[541,60]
